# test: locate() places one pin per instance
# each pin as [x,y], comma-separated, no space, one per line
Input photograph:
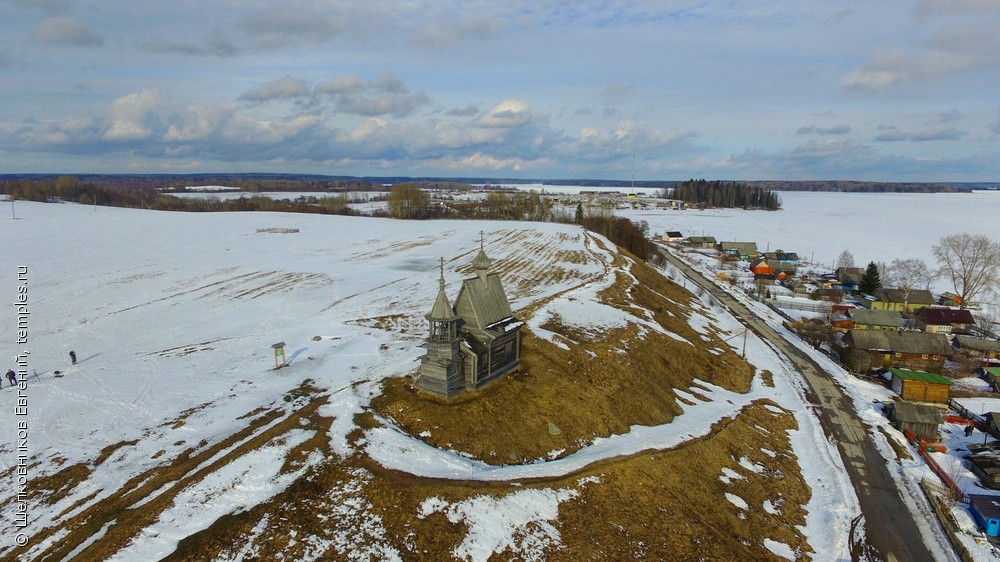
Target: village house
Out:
[920,386]
[702,242]
[864,350]
[939,320]
[781,261]
[473,343]
[921,420]
[899,300]
[849,278]
[828,294]
[865,319]
[672,236]
[977,348]
[742,250]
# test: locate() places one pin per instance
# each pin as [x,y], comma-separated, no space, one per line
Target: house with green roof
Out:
[920,386]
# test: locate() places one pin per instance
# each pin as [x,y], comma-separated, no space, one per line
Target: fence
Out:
[810,306]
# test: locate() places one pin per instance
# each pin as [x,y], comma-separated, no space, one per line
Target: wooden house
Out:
[940,320]
[743,250]
[901,301]
[920,386]
[759,266]
[986,512]
[702,242]
[921,420]
[673,236]
[828,294]
[782,261]
[849,278]
[978,348]
[865,319]
[475,342]
[863,350]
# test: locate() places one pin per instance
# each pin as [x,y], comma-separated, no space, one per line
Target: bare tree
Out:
[883,273]
[908,275]
[846,259]
[970,263]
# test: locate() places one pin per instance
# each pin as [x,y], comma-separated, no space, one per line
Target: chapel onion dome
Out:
[481,261]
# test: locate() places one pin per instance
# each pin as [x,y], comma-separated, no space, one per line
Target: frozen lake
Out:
[820,225]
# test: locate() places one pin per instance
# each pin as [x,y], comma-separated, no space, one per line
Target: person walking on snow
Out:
[12,377]
[72,357]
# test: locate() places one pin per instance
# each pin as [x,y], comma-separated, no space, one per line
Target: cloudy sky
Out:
[905,90]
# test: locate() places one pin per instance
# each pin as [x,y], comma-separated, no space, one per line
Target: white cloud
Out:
[506,114]
[198,122]
[834,130]
[64,30]
[344,84]
[253,131]
[128,114]
[395,105]
[282,88]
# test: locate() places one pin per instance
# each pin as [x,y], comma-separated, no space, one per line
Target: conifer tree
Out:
[871,281]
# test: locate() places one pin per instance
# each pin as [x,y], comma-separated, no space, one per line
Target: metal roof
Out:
[987,506]
[921,376]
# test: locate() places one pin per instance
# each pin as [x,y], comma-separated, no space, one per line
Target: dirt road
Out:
[892,532]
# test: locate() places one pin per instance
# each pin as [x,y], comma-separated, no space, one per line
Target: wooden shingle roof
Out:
[916,296]
[901,342]
[916,413]
[978,344]
[868,317]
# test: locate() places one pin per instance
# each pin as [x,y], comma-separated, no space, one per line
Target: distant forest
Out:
[723,194]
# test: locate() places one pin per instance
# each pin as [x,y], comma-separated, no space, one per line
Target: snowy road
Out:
[892,531]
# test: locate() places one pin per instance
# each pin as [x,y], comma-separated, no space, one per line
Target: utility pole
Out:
[12,215]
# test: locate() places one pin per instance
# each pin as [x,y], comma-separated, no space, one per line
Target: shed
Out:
[918,419]
[986,511]
[673,236]
[920,386]
[986,467]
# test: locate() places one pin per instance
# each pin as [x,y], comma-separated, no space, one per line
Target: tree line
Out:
[723,194]
[67,188]
[405,201]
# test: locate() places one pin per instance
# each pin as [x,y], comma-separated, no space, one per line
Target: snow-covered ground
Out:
[818,226]
[172,317]
[867,398]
